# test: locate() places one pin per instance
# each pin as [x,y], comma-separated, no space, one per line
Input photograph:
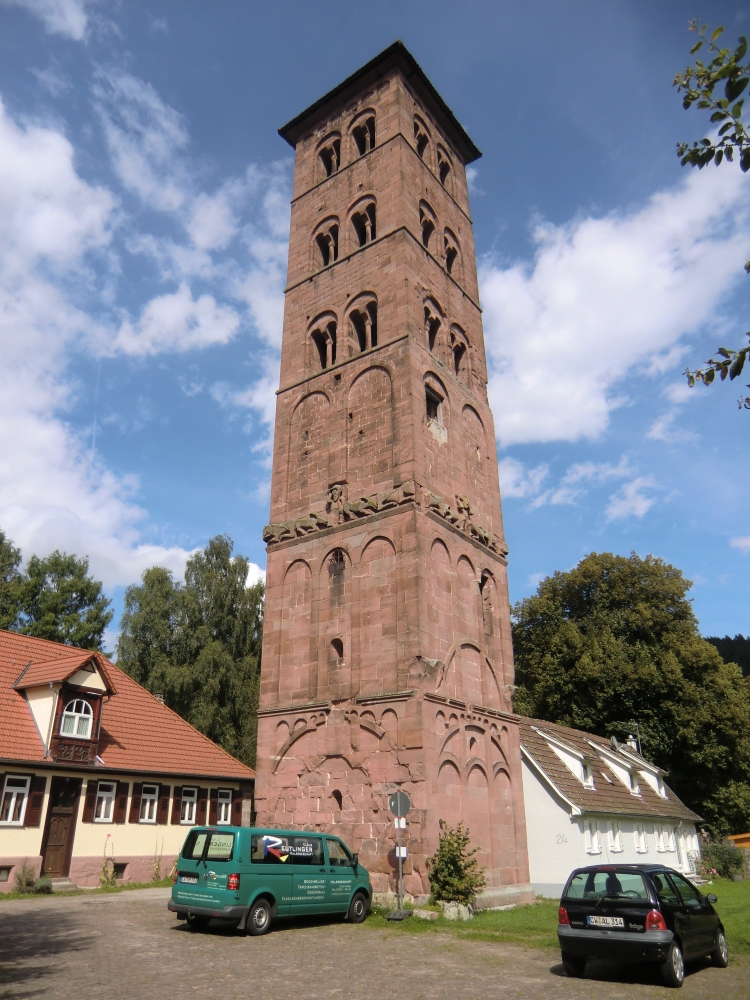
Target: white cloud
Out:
[53,493]
[742,543]
[663,429]
[632,500]
[516,481]
[59,17]
[605,296]
[177,322]
[145,137]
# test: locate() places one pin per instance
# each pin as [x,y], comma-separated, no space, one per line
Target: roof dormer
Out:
[620,766]
[579,764]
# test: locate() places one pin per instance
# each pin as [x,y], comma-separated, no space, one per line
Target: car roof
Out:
[263,829]
[622,867]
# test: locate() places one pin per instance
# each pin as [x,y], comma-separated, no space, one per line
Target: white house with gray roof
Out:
[591,801]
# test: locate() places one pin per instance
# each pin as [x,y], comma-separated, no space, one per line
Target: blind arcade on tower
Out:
[387,659]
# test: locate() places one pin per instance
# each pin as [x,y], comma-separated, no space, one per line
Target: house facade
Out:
[93,765]
[589,801]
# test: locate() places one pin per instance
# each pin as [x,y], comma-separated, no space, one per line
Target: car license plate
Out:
[192,879]
[597,921]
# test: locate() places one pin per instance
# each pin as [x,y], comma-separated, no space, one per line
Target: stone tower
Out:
[387,658]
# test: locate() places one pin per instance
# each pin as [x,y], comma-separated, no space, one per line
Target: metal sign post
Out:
[400,805]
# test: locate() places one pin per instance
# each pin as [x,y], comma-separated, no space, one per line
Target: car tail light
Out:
[233,882]
[655,921]
[563,918]
[174,877]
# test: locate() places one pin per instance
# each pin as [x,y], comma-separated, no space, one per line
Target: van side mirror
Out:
[711,898]
[355,861]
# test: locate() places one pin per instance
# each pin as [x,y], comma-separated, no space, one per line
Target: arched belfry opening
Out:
[386,653]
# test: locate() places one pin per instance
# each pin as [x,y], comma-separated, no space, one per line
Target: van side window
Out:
[268,849]
[338,856]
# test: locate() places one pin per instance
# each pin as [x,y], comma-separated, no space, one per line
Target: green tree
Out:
[615,640]
[735,650]
[454,872]
[198,644]
[10,579]
[58,600]
[698,84]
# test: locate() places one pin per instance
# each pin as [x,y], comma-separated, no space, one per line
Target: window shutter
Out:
[162,812]
[176,804]
[121,801]
[135,802]
[90,803]
[36,801]
[213,806]
[236,807]
[200,816]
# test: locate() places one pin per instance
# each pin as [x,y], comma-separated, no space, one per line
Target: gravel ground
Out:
[128,945]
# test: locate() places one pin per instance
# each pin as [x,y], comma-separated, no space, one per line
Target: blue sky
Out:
[143,223]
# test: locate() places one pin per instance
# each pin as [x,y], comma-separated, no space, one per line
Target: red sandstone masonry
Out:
[387,659]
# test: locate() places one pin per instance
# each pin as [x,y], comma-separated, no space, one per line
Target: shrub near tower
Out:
[387,660]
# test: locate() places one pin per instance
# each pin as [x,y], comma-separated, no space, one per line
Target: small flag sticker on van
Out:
[275,847]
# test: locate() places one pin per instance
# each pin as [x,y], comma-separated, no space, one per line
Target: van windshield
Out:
[212,846]
[623,886]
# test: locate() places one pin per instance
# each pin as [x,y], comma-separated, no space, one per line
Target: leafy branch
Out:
[698,84]
[729,364]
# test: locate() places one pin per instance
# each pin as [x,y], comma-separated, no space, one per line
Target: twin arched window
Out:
[77,719]
[362,132]
[449,344]
[362,333]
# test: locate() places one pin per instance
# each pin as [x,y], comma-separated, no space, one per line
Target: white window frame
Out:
[19,788]
[77,715]
[224,807]
[591,837]
[149,804]
[105,794]
[188,806]
[639,835]
[671,840]
[614,837]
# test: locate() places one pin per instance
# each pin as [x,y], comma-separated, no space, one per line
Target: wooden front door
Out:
[59,831]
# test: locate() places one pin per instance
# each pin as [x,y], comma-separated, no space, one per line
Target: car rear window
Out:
[621,885]
[212,846]
[270,849]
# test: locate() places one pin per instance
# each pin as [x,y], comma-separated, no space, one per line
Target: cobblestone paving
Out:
[127,945]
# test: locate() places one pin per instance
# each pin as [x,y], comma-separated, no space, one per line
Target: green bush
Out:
[454,872]
[43,886]
[720,859]
[25,877]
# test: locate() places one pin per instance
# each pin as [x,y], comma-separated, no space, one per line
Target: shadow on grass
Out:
[31,941]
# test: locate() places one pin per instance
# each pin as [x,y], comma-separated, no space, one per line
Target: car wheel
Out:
[259,918]
[720,954]
[197,921]
[357,909]
[673,970]
[574,965]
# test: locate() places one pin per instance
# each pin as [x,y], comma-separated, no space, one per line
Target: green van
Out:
[253,876]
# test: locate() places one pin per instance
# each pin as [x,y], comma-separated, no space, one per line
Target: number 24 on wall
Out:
[561,838]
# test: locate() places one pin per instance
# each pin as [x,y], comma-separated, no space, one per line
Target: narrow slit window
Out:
[337,648]
[421,137]
[433,403]
[426,224]
[444,166]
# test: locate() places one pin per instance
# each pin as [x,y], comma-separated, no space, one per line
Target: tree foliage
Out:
[54,598]
[454,872]
[735,650]
[698,84]
[615,641]
[198,644]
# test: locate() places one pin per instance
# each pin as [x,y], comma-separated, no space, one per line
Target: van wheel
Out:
[720,955]
[197,921]
[357,909]
[259,918]
[574,965]
[673,970]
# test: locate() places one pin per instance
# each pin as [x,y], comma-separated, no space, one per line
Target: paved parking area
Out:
[127,945]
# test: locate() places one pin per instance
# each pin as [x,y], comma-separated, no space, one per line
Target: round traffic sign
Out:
[399,803]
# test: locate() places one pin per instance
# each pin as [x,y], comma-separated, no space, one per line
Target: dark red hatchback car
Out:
[644,913]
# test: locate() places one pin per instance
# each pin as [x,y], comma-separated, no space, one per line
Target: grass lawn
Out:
[536,926]
[163,884]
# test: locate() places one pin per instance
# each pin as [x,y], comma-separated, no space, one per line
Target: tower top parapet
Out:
[395,57]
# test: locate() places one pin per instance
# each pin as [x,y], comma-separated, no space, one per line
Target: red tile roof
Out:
[60,668]
[138,732]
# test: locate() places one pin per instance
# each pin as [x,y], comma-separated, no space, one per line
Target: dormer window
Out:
[634,787]
[588,775]
[77,719]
